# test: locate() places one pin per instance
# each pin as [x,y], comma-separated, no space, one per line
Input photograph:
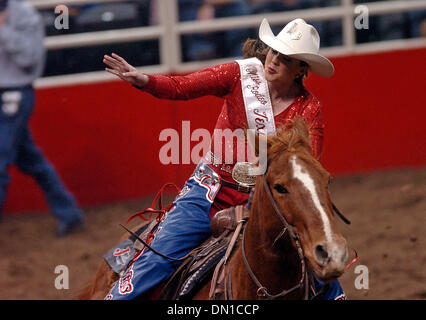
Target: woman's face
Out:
[281,68]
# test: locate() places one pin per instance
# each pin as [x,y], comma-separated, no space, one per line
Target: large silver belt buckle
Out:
[241,174]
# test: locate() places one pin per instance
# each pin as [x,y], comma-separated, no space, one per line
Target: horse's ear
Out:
[301,126]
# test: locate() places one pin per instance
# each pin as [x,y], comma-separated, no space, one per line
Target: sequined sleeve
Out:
[312,113]
[218,81]
[316,133]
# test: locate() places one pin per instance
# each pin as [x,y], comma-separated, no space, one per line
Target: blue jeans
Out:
[17,147]
[184,228]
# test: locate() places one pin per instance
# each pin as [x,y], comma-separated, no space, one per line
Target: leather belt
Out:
[238,187]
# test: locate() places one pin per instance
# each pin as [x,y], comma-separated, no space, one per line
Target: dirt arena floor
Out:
[387,210]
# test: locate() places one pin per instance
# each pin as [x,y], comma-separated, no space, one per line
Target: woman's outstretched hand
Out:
[119,67]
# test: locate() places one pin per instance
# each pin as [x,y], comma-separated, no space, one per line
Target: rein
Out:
[262,291]
[151,248]
[158,201]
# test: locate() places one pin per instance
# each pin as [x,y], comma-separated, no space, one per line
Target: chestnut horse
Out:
[291,231]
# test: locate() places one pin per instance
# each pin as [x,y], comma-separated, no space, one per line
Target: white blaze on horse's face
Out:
[304,177]
[327,255]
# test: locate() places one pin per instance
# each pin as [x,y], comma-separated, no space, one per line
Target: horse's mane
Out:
[293,137]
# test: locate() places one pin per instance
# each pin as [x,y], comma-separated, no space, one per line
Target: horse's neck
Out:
[276,266]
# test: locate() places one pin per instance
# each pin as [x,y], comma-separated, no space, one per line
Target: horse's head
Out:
[299,186]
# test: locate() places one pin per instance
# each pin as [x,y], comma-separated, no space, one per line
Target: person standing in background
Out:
[22,58]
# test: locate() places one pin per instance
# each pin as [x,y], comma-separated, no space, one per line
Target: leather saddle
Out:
[207,259]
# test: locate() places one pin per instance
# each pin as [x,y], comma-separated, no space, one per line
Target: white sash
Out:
[257,101]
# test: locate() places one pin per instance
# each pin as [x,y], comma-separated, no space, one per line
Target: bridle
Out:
[262,291]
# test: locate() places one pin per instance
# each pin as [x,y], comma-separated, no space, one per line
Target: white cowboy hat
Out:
[298,40]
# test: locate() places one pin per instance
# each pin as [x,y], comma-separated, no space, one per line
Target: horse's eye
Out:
[280,188]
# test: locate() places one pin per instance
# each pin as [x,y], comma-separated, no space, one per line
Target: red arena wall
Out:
[104,138]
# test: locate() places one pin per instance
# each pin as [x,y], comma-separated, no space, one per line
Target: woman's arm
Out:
[217,80]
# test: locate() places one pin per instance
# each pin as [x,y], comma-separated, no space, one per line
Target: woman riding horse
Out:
[261,92]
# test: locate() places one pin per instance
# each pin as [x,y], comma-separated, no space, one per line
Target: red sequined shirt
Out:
[224,81]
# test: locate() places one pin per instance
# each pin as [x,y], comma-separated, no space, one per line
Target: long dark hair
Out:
[256,48]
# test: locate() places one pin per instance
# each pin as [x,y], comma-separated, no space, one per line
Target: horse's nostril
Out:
[322,255]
